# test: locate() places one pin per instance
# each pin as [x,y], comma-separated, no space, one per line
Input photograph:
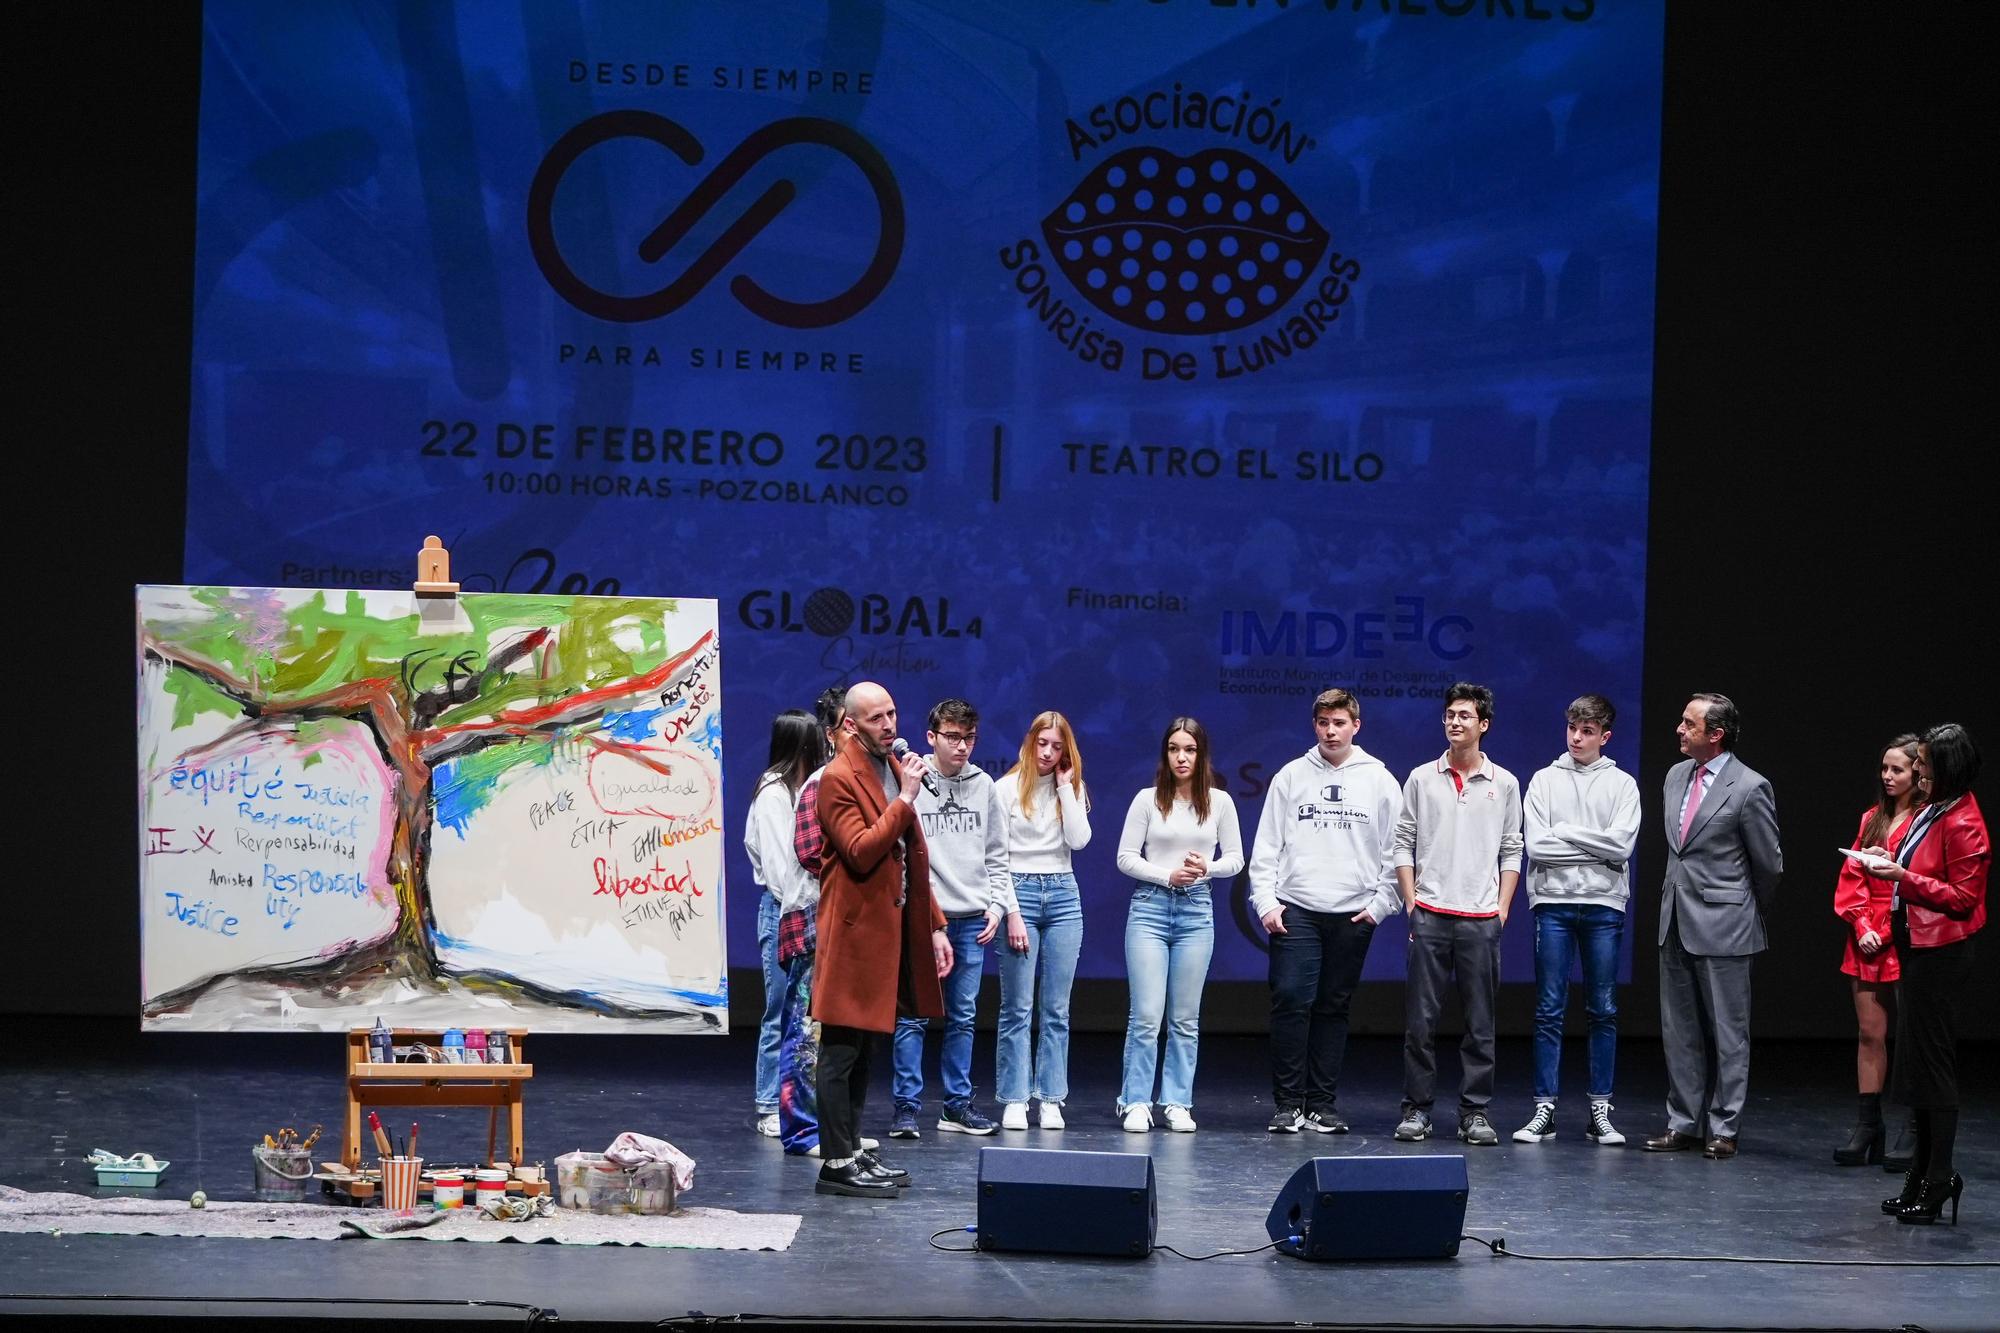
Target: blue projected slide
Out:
[1124,357]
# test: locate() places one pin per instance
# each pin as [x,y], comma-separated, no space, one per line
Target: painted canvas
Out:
[484,811]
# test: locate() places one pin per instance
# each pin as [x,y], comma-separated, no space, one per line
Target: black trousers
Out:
[843,1089]
[1928,999]
[1315,965]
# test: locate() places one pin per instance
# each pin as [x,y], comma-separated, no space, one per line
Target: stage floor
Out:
[202,1102]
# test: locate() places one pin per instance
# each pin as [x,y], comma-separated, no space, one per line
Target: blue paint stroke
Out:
[464,956]
[456,801]
[633,725]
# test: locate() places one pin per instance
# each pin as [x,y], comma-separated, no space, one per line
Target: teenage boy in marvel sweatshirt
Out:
[966,834]
[1321,880]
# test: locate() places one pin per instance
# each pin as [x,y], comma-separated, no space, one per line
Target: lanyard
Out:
[1918,828]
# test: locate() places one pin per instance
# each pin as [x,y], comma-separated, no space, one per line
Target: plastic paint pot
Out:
[448,1189]
[490,1188]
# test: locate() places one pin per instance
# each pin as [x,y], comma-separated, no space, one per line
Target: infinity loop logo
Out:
[705,196]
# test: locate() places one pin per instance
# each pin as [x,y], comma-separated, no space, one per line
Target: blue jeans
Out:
[961,1003]
[770,1031]
[1562,932]
[1052,910]
[1169,936]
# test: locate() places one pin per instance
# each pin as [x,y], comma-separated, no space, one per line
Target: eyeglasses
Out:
[957,737]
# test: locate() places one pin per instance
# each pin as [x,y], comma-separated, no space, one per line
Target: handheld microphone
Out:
[901,749]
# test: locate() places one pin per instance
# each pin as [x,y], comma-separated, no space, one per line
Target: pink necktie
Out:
[1693,802]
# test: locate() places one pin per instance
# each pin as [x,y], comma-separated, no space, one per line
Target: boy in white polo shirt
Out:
[1458,859]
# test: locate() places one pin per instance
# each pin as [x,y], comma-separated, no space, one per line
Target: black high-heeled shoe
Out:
[1930,1200]
[1863,1146]
[1899,1154]
[1912,1185]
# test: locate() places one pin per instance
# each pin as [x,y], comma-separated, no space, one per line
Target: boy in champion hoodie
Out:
[1582,821]
[959,808]
[1322,877]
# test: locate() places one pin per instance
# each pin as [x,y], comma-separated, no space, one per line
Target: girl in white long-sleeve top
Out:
[797,748]
[1180,835]
[1048,817]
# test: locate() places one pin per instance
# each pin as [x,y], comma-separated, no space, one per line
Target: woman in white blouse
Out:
[1048,817]
[784,1100]
[1180,834]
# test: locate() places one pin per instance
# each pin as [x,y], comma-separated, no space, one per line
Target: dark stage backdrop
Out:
[1812,428]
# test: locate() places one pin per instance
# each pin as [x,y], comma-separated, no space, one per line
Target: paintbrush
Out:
[413,1138]
[381,1135]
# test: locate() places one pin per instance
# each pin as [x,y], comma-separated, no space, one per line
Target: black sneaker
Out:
[1326,1122]
[964,1119]
[1414,1127]
[1286,1121]
[904,1124]
[1477,1130]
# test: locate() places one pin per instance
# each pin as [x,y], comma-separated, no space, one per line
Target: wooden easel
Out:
[497,1087]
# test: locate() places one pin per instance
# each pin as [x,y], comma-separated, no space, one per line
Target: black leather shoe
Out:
[1863,1146]
[1672,1141]
[855,1181]
[895,1175]
[1719,1149]
[1900,1153]
[1912,1182]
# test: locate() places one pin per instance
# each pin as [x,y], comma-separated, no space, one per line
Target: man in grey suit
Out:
[1723,867]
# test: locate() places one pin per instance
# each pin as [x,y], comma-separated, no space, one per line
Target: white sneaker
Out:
[1601,1131]
[1179,1121]
[1541,1125]
[1014,1116]
[1052,1115]
[1139,1120]
[869,1145]
[767,1124]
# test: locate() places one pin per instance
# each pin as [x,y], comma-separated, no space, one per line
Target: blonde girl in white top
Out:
[1048,816]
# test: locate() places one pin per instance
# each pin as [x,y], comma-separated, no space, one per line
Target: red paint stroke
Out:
[576,703]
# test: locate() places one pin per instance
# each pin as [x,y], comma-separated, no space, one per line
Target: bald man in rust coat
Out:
[882,942]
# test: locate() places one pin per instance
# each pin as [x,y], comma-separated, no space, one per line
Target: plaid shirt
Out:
[808,841]
[798,933]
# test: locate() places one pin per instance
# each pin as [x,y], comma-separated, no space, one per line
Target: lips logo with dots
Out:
[1185,245]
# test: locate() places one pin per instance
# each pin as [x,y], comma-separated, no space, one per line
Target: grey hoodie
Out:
[967,838]
[1581,825]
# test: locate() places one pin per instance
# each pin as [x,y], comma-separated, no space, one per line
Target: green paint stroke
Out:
[331,640]
[194,696]
[466,785]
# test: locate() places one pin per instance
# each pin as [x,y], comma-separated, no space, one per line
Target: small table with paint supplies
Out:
[436,1067]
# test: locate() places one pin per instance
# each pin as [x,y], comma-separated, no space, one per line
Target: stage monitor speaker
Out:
[1067,1202]
[1372,1208]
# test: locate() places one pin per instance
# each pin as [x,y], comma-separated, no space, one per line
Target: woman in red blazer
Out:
[1862,901]
[1940,875]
